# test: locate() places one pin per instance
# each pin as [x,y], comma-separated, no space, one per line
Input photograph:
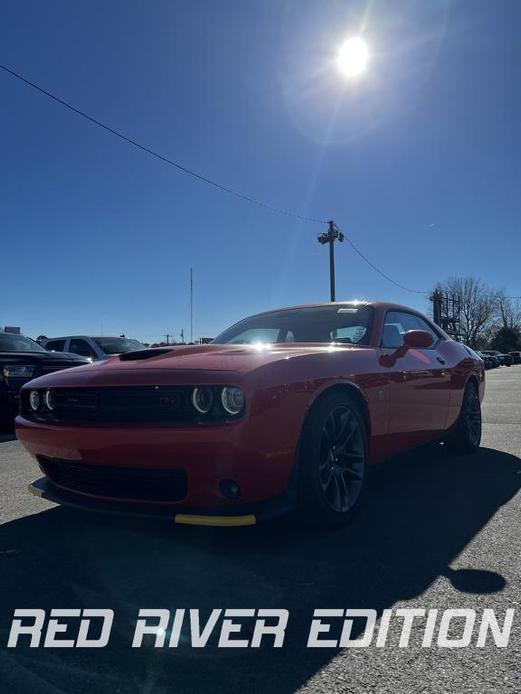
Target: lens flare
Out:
[352,57]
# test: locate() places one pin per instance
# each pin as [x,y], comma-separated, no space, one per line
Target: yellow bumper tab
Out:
[215,521]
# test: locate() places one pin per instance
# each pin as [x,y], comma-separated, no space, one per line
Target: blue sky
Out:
[419,161]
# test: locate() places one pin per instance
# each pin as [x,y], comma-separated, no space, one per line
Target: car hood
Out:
[212,360]
[212,357]
[42,358]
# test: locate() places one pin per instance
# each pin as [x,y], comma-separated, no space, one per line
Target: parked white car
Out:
[94,348]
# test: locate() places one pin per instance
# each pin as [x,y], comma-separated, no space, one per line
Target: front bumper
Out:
[240,515]
[207,456]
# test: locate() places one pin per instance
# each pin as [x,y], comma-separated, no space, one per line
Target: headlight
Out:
[34,399]
[232,399]
[49,399]
[202,399]
[19,371]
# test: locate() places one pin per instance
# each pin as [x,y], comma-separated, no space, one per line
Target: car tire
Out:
[332,461]
[466,435]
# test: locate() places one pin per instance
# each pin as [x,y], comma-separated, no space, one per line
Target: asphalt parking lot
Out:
[436,532]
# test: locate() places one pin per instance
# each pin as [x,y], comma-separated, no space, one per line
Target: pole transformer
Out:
[330,236]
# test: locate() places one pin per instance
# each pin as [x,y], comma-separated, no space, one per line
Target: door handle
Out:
[442,361]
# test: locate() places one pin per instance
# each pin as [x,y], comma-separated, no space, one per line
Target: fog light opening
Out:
[230,489]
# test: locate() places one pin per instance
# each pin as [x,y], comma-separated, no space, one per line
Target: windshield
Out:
[344,324]
[18,343]
[118,345]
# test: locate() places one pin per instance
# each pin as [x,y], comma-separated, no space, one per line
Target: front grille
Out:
[138,484]
[123,404]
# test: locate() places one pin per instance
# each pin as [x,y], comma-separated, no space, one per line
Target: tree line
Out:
[488,319]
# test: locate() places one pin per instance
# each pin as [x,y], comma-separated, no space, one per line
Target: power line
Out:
[166,160]
[198,176]
[380,272]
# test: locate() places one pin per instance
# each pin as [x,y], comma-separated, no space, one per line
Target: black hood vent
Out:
[144,354]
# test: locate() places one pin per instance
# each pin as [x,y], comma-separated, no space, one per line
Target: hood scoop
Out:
[144,354]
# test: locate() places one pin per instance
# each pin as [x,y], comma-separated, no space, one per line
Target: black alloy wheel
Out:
[342,459]
[332,460]
[466,435]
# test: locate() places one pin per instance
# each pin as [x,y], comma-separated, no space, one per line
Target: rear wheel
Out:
[466,436]
[332,461]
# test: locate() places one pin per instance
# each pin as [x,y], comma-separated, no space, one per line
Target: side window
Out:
[398,323]
[82,348]
[56,345]
[393,330]
[423,325]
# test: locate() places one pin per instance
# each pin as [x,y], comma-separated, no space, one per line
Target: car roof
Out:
[353,302]
[82,337]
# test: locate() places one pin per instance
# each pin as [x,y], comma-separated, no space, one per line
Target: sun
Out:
[352,57]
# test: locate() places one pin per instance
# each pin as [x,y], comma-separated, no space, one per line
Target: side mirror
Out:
[418,339]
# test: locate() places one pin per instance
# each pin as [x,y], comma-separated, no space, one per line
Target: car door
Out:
[97,349]
[419,385]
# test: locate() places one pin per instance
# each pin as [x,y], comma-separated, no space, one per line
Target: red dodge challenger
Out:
[284,411]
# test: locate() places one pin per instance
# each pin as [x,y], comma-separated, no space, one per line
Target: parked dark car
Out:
[516,357]
[21,360]
[489,361]
[502,359]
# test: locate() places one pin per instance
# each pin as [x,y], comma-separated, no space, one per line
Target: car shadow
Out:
[7,432]
[422,510]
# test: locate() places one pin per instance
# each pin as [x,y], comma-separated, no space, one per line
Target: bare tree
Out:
[508,312]
[478,304]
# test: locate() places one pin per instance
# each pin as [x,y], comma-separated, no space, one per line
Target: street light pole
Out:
[330,236]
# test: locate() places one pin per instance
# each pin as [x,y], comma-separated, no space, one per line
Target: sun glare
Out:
[352,57]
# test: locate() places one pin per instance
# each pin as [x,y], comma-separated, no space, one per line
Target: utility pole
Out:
[330,236]
[437,301]
[191,305]
[168,336]
[182,336]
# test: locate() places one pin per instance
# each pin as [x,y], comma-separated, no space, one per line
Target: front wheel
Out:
[332,461]
[466,436]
